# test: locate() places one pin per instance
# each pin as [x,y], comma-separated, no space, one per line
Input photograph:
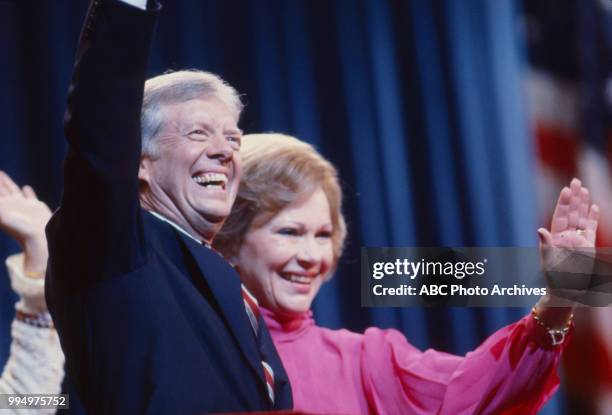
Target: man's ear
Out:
[144,170]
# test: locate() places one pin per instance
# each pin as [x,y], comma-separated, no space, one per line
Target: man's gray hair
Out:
[175,87]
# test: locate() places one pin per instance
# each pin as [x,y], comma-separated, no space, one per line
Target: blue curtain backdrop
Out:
[418,103]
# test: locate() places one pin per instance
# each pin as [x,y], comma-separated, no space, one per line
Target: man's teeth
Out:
[211,180]
[297,278]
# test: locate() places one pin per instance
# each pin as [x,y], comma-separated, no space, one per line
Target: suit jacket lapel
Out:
[224,283]
[282,391]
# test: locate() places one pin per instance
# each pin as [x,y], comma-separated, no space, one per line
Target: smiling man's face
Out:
[194,176]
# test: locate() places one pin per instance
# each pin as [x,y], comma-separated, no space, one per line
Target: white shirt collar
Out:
[184,232]
[178,228]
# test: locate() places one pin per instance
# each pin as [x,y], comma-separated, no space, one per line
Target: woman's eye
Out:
[288,231]
[197,132]
[234,139]
[324,234]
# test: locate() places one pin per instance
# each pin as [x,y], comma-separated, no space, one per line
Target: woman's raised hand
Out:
[567,250]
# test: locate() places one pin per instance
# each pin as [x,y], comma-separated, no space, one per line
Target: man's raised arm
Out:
[97,231]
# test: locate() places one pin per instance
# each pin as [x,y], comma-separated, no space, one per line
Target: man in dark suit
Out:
[151,320]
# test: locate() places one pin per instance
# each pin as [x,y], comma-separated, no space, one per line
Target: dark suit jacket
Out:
[150,320]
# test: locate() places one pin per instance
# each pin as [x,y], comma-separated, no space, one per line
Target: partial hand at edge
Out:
[24,217]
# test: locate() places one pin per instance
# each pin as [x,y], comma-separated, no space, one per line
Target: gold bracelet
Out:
[557,336]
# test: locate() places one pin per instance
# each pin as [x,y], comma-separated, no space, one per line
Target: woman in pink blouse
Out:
[285,235]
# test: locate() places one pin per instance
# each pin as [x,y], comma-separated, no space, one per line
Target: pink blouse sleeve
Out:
[513,372]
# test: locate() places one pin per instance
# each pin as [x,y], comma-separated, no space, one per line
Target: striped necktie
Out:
[252,310]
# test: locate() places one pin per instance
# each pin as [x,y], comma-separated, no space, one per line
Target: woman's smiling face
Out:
[285,261]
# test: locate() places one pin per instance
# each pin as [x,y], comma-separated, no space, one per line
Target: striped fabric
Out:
[252,310]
